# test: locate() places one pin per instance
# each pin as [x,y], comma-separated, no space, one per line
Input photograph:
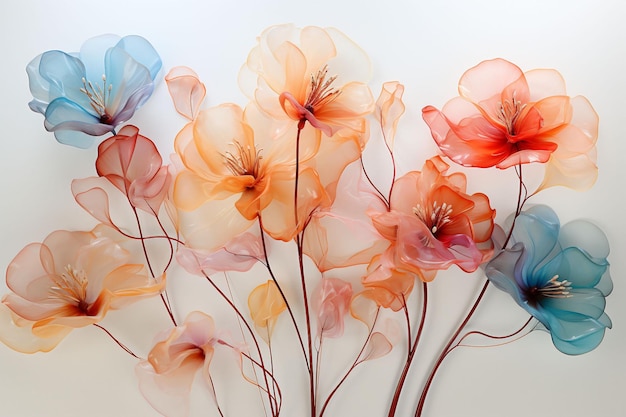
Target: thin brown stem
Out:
[120,344]
[411,354]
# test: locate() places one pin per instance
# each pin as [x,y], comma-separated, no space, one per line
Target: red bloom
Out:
[505,117]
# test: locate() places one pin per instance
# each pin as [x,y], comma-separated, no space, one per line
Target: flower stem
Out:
[254,339]
[120,344]
[299,239]
[521,200]
[410,355]
[446,350]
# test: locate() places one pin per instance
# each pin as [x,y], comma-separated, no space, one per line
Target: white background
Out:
[424,45]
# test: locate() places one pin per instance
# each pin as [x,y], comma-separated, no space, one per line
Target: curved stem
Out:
[446,350]
[145,253]
[120,344]
[247,325]
[356,363]
[280,290]
[521,200]
[411,354]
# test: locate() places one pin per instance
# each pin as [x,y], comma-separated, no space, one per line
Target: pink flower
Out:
[332,302]
[432,224]
[166,377]
[505,117]
[71,280]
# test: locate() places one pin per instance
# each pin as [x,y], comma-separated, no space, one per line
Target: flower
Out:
[332,302]
[504,117]
[234,170]
[132,163]
[71,280]
[309,74]
[560,275]
[165,378]
[266,303]
[433,223]
[88,94]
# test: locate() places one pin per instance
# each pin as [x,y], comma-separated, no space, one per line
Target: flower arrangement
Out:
[277,194]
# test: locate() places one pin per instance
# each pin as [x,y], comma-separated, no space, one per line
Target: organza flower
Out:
[235,168]
[433,223]
[132,163]
[504,117]
[71,280]
[87,94]
[166,377]
[309,74]
[266,303]
[332,302]
[560,275]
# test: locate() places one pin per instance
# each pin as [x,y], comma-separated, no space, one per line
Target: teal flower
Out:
[87,94]
[560,275]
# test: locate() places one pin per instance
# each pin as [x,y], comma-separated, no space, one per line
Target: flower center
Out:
[243,160]
[434,217]
[71,287]
[554,289]
[98,97]
[509,113]
[321,92]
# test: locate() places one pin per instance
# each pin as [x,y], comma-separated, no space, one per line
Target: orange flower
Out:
[309,74]
[174,362]
[234,169]
[266,304]
[72,280]
[505,117]
[433,224]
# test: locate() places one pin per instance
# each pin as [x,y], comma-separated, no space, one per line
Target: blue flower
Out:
[560,275]
[87,94]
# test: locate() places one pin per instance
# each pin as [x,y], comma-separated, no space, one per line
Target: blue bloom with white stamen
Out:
[87,94]
[560,275]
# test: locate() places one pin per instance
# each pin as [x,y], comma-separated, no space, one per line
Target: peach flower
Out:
[505,117]
[266,304]
[71,280]
[309,74]
[166,377]
[235,168]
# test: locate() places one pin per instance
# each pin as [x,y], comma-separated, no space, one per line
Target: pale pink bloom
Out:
[332,302]
[186,90]
[239,254]
[166,377]
[71,280]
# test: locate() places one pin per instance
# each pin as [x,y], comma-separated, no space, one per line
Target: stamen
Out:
[98,97]
[244,160]
[71,287]
[555,288]
[321,92]
[509,112]
[438,217]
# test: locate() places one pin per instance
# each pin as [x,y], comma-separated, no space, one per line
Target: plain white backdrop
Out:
[426,45]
